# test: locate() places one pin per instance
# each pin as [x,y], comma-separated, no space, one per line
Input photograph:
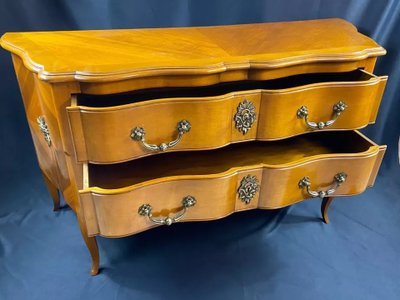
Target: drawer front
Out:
[116,134]
[115,213]
[283,114]
[105,135]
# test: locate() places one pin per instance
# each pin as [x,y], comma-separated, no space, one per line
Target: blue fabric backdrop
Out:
[282,254]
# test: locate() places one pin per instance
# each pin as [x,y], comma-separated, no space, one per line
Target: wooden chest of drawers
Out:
[146,127]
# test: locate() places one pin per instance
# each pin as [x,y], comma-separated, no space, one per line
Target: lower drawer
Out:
[126,198]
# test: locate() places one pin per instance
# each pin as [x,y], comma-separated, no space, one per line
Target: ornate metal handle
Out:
[138,134]
[145,210]
[338,179]
[338,108]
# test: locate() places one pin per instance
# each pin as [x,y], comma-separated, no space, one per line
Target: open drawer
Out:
[120,127]
[127,198]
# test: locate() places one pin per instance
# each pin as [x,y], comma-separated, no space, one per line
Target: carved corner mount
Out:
[44,129]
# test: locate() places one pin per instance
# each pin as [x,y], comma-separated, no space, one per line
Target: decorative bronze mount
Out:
[248,188]
[44,129]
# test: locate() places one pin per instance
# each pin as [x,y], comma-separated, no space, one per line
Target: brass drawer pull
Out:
[338,179]
[145,210]
[138,134]
[338,108]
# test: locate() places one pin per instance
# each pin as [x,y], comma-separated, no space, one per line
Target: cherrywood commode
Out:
[146,127]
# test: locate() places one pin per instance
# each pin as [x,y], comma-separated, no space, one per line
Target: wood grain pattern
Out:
[54,69]
[42,99]
[102,134]
[113,212]
[121,54]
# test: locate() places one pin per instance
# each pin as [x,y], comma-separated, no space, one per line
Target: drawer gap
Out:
[223,159]
[219,89]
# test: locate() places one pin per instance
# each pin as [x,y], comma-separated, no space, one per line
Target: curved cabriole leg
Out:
[324,208]
[91,244]
[53,190]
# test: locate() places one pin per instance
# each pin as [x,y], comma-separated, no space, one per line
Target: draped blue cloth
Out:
[280,254]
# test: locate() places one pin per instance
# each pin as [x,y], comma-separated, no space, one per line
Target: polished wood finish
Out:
[326,202]
[102,134]
[111,202]
[113,55]
[91,244]
[56,70]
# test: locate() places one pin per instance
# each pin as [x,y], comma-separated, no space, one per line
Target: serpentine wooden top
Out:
[109,55]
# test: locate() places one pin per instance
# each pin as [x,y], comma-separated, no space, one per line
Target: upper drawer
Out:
[150,121]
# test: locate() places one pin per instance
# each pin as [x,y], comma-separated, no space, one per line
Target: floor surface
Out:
[282,254]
